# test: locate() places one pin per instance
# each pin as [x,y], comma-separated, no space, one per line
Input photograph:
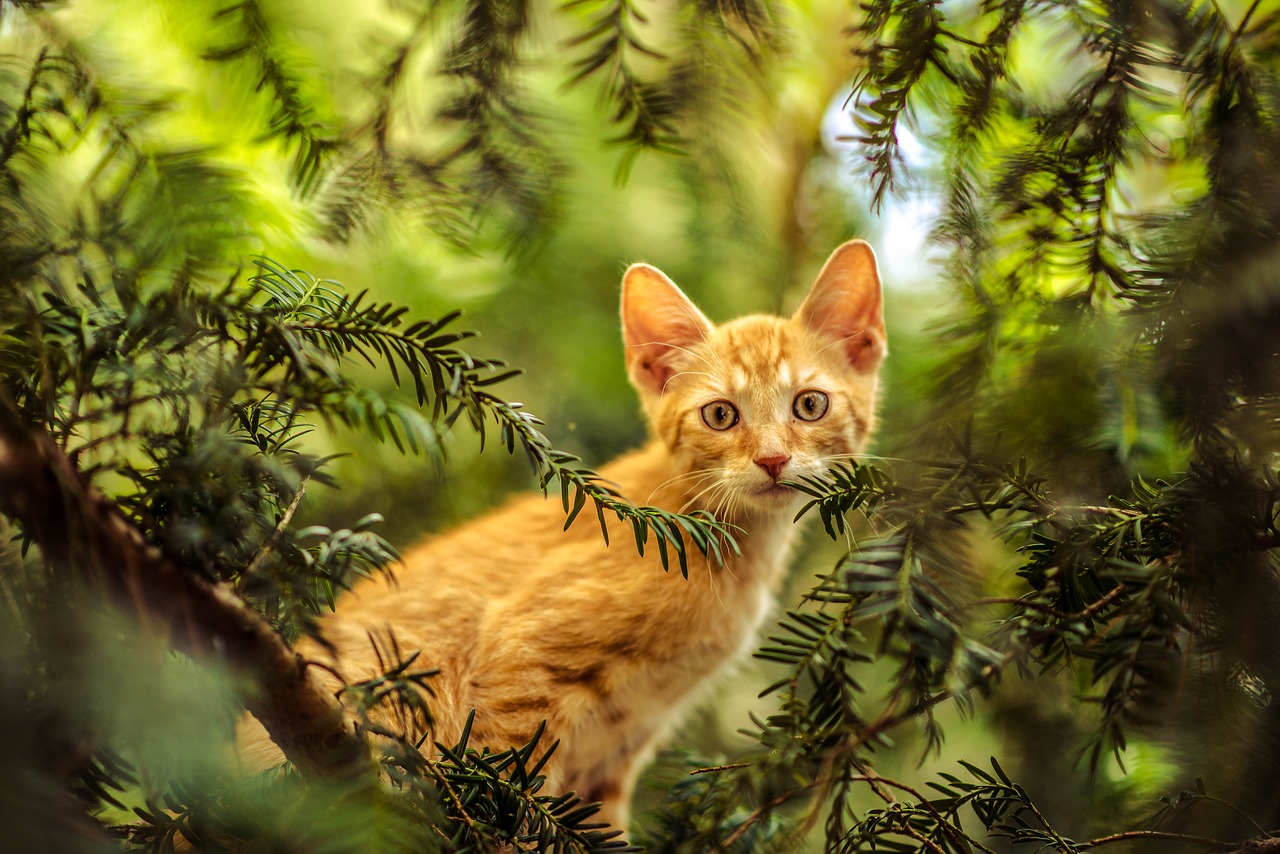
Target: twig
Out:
[1063,844]
[1083,614]
[712,769]
[878,783]
[1217,844]
[760,812]
[1110,511]
[269,545]
[453,796]
[925,842]
[1262,831]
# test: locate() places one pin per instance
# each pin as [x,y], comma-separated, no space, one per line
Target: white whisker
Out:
[717,485]
[872,457]
[711,580]
[685,350]
[687,474]
[698,474]
[684,374]
[734,502]
[839,341]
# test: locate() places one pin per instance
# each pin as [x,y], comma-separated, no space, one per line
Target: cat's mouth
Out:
[775,490]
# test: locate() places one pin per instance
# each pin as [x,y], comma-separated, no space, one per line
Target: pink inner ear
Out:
[845,304]
[658,324]
[866,351]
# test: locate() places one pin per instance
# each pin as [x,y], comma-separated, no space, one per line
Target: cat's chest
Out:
[655,683]
[690,640]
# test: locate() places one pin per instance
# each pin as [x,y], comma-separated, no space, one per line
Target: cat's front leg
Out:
[609,776]
[612,790]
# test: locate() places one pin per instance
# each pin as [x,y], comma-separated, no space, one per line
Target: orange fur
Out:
[528,623]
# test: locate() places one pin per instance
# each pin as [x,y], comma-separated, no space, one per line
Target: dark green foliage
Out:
[654,110]
[646,109]
[499,160]
[895,66]
[450,798]
[1109,516]
[293,118]
[265,355]
[495,798]
[197,400]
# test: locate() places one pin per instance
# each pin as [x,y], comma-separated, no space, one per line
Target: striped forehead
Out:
[753,351]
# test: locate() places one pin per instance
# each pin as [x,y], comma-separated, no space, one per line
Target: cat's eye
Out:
[720,415]
[810,405]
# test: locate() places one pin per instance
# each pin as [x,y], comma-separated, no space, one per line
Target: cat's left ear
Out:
[845,304]
[658,323]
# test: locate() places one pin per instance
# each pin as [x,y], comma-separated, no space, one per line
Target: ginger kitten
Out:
[527,622]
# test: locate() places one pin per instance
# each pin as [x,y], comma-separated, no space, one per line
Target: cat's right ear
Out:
[658,323]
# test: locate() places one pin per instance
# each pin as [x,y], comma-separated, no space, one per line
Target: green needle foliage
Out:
[183,407]
[1094,494]
[1085,508]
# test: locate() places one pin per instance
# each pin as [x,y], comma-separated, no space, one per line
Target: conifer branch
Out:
[644,108]
[77,527]
[293,119]
[893,70]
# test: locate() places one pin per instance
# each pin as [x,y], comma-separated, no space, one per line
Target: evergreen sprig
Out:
[645,108]
[471,798]
[1134,588]
[843,490]
[503,802]
[453,798]
[709,536]
[893,70]
[1120,337]
[454,384]
[271,353]
[293,117]
[1103,594]
[499,158]
[1082,567]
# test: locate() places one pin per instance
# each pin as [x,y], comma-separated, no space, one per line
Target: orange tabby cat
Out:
[528,623]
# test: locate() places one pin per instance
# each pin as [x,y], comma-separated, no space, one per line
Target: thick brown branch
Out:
[77,527]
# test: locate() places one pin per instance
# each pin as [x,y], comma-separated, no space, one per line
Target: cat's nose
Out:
[773,465]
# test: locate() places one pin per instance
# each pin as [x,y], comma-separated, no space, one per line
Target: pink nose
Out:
[773,465]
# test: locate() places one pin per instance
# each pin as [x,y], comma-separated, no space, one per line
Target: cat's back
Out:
[438,598]
[522,543]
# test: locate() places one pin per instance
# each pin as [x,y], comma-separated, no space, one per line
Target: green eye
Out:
[810,405]
[720,415]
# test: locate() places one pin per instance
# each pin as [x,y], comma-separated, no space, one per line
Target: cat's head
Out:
[761,399]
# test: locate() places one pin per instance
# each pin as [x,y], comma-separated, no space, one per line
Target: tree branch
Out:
[1202,841]
[78,527]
